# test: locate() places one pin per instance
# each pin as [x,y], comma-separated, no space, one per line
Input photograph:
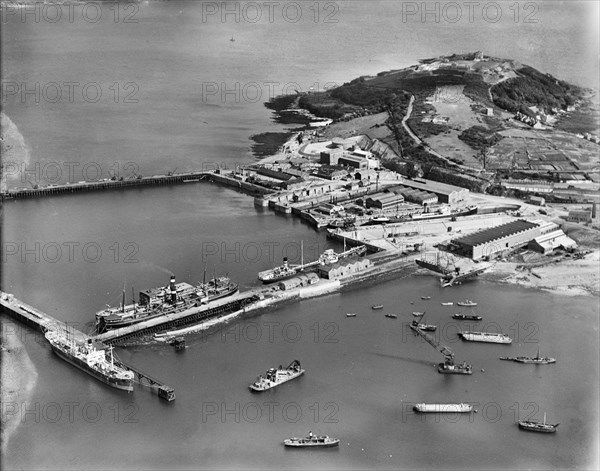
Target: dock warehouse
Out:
[488,242]
[547,243]
[449,194]
[305,279]
[344,268]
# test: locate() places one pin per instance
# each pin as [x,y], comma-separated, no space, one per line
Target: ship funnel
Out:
[173,290]
[285,262]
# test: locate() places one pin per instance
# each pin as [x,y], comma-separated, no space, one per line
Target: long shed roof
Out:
[495,233]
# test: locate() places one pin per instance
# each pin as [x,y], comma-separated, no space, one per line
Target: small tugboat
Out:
[351,314]
[467,303]
[178,343]
[311,440]
[467,317]
[276,376]
[448,304]
[485,337]
[535,426]
[537,360]
[450,368]
[377,306]
[426,327]
[392,316]
[425,297]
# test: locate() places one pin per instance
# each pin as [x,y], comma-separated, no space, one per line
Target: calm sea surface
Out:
[364,373]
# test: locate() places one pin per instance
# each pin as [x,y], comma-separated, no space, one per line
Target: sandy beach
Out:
[14,150]
[571,277]
[17,379]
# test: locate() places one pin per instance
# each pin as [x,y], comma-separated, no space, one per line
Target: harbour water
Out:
[364,374]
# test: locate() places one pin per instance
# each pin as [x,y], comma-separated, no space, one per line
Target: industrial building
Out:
[506,237]
[584,215]
[384,201]
[356,158]
[448,194]
[547,243]
[304,279]
[354,161]
[344,268]
[414,195]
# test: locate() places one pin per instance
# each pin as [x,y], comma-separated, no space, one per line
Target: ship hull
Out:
[328,444]
[485,339]
[466,318]
[266,387]
[443,408]
[533,361]
[123,384]
[456,370]
[533,428]
[275,279]
[104,325]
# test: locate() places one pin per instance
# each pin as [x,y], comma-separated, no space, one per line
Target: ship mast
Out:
[123,302]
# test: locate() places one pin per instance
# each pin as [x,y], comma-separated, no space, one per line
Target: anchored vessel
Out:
[425,297]
[467,303]
[467,317]
[535,426]
[282,272]
[276,376]
[447,304]
[426,327]
[285,271]
[451,408]
[92,358]
[351,314]
[537,360]
[418,313]
[311,440]
[377,306]
[485,337]
[175,297]
[392,316]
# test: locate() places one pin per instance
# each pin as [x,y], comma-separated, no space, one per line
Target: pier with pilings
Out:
[228,179]
[43,322]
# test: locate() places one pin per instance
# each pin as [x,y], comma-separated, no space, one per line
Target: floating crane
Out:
[448,367]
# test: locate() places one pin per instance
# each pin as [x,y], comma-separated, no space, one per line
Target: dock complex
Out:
[43,322]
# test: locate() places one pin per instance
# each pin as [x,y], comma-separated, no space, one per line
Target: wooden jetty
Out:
[39,320]
[228,179]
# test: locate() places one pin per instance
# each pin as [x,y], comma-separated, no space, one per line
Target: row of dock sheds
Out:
[335,271]
[392,197]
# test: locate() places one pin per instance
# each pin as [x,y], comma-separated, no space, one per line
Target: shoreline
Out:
[18,378]
[567,278]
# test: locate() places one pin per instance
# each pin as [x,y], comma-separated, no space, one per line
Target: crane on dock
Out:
[448,366]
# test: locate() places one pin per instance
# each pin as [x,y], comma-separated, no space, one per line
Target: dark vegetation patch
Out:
[533,88]
[479,137]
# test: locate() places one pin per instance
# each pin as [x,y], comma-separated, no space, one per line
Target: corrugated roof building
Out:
[547,243]
[344,268]
[489,242]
